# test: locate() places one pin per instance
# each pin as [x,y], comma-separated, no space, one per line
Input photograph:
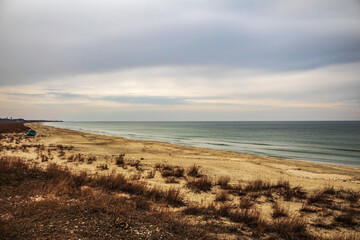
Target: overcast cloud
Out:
[180,60]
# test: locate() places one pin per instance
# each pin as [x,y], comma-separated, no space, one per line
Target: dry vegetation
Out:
[55,203]
[40,199]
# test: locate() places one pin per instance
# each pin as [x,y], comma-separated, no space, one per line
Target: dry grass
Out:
[291,228]
[193,171]
[257,185]
[246,202]
[329,190]
[119,160]
[250,217]
[91,159]
[135,176]
[171,180]
[222,196]
[350,195]
[283,184]
[103,167]
[346,218]
[318,197]
[89,210]
[171,171]
[173,196]
[134,163]
[279,211]
[202,184]
[343,236]
[223,181]
[167,173]
[151,174]
[179,172]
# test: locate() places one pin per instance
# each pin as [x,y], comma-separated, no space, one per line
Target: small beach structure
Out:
[31,133]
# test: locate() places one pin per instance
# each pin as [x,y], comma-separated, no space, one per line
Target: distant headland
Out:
[24,120]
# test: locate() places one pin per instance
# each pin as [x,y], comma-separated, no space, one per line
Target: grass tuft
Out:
[222,196]
[193,171]
[279,211]
[223,181]
[202,184]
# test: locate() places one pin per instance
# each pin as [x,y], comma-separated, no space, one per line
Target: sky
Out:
[160,60]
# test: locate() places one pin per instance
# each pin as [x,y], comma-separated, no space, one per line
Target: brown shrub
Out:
[342,236]
[193,171]
[223,210]
[329,190]
[200,210]
[245,203]
[352,196]
[119,160]
[257,185]
[254,196]
[201,184]
[279,211]
[134,163]
[167,167]
[71,158]
[296,192]
[12,165]
[179,172]
[113,182]
[318,197]
[290,228]
[78,157]
[223,181]
[308,209]
[142,203]
[283,184]
[171,180]
[167,173]
[91,159]
[103,167]
[44,158]
[135,176]
[151,174]
[250,217]
[347,218]
[173,196]
[56,173]
[222,196]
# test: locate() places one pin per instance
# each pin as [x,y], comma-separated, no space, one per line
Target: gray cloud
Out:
[180,60]
[43,40]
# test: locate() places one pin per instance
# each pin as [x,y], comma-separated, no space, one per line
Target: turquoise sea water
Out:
[327,142]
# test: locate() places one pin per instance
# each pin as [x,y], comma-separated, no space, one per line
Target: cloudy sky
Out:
[180,60]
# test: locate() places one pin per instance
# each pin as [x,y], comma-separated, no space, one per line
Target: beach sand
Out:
[214,163]
[240,168]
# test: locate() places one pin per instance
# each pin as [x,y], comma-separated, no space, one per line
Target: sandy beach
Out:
[240,167]
[148,161]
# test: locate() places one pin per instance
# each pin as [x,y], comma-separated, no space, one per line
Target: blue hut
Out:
[31,133]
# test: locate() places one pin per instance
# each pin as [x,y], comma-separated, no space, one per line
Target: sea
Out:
[335,142]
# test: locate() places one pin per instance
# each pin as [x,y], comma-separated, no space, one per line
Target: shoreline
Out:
[103,133]
[239,166]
